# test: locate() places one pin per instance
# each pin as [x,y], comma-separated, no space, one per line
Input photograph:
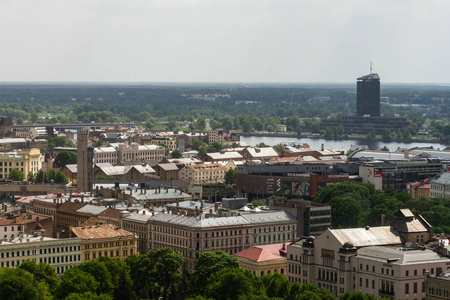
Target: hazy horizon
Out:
[212,41]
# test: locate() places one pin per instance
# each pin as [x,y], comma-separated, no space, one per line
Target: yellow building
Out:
[204,173]
[105,240]
[25,160]
[264,259]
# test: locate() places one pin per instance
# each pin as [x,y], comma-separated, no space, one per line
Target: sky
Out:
[265,41]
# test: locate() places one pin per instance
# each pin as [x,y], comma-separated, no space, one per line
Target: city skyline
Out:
[216,41]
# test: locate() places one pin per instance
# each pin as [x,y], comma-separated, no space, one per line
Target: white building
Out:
[372,259]
[122,152]
[61,254]
[440,186]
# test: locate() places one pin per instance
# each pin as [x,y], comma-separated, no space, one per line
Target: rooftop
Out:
[369,236]
[263,253]
[100,231]
[401,256]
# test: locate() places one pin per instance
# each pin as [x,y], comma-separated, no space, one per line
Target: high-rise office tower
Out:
[368,95]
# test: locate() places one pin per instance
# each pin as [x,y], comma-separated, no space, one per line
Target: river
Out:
[335,144]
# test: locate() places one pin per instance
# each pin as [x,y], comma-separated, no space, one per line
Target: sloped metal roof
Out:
[373,236]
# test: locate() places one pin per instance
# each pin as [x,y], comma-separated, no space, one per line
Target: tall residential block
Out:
[368,96]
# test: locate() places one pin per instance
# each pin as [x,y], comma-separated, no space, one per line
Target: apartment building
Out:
[385,261]
[215,136]
[419,189]
[12,225]
[100,239]
[169,141]
[437,287]
[440,185]
[61,254]
[204,173]
[193,235]
[117,153]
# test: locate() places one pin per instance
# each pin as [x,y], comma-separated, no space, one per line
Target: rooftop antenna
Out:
[370,67]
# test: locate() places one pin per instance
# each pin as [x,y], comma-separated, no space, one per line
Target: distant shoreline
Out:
[310,136]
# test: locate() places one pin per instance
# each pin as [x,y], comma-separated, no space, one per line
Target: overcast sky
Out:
[224,40]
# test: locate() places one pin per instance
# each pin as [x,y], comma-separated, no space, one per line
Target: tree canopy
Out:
[16,175]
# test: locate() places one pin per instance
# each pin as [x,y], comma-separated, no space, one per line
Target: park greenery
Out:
[246,108]
[355,204]
[64,158]
[158,274]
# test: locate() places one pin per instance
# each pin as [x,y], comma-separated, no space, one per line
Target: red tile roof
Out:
[262,253]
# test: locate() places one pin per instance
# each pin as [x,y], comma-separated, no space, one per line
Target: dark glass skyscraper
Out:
[368,96]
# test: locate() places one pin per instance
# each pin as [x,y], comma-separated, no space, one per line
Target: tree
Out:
[40,176]
[101,275]
[346,212]
[340,130]
[16,175]
[210,263]
[31,177]
[65,158]
[276,284]
[75,281]
[329,133]
[41,271]
[34,117]
[230,284]
[386,136]
[279,147]
[230,177]
[59,177]
[167,264]
[88,296]
[120,277]
[18,284]
[176,153]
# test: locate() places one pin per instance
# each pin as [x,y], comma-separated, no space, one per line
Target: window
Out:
[415,288]
[407,273]
[407,288]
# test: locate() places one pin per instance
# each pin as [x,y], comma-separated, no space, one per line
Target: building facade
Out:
[61,254]
[105,240]
[24,160]
[204,173]
[440,186]
[368,96]
[124,153]
[385,261]
[264,259]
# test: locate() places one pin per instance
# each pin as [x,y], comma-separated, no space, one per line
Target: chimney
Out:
[322,147]
[406,154]
[201,204]
[383,219]
[143,212]
[153,213]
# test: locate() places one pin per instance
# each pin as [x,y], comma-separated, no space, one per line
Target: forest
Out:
[239,107]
